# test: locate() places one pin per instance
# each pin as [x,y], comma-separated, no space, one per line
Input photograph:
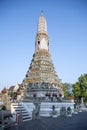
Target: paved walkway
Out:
[76,122]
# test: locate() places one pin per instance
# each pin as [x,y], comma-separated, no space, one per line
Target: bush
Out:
[3,107]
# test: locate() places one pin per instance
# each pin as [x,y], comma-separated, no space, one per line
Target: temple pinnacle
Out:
[42,25]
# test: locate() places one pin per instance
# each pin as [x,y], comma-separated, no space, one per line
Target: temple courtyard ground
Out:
[76,122]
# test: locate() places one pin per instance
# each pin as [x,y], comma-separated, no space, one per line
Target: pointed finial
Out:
[42,12]
[42,26]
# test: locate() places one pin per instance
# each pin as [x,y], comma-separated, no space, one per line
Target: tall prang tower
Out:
[41,76]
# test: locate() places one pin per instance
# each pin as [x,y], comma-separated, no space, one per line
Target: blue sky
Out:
[67,29]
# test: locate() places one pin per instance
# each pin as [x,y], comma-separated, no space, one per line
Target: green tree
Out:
[67,88]
[3,107]
[77,90]
[80,88]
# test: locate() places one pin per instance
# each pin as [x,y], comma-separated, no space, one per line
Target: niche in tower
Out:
[39,42]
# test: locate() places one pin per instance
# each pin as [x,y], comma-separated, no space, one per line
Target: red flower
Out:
[4,91]
[18,93]
[34,95]
[54,95]
[47,94]
[60,95]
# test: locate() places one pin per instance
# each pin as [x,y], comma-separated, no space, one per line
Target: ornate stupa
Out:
[41,77]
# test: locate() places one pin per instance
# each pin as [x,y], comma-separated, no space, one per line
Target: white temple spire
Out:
[42,25]
[42,40]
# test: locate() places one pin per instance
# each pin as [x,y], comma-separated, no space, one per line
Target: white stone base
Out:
[45,107]
[54,116]
[70,115]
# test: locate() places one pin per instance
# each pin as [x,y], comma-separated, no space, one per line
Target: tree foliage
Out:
[80,87]
[13,95]
[3,107]
[67,88]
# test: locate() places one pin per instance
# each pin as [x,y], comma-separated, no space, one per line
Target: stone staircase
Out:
[19,108]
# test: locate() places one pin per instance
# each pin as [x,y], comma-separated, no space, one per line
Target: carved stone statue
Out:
[35,113]
[54,112]
[69,111]
[82,103]
[63,112]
